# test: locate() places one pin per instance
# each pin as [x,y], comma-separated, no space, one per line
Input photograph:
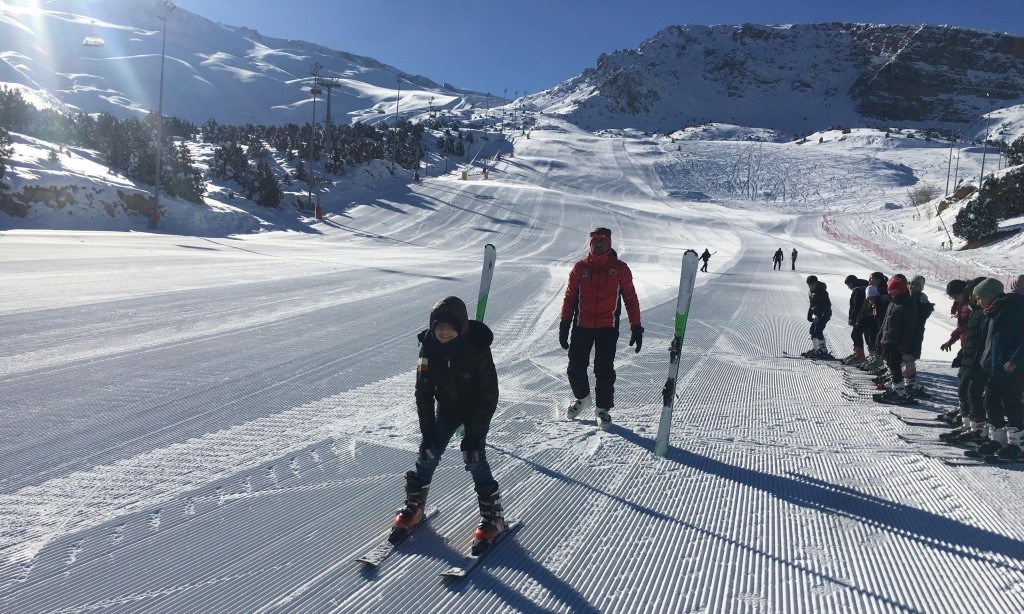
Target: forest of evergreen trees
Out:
[242,152]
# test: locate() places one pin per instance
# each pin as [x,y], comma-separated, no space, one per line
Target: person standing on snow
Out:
[895,337]
[777,260]
[456,385]
[1001,362]
[598,284]
[924,309]
[792,259]
[858,293]
[705,257]
[818,314]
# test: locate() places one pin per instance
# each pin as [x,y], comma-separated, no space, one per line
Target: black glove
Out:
[563,334]
[810,317]
[636,336]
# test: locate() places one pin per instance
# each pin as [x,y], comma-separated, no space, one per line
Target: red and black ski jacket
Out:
[592,295]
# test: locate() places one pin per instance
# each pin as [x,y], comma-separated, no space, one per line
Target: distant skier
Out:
[457,372]
[792,259]
[598,284]
[818,314]
[705,257]
[777,260]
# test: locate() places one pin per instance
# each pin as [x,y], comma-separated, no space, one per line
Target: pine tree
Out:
[267,191]
[6,149]
[975,222]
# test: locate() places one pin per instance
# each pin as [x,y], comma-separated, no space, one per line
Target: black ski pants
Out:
[1003,401]
[817,329]
[603,342]
[858,335]
[894,360]
[971,393]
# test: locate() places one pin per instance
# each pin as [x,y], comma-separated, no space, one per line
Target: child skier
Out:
[456,384]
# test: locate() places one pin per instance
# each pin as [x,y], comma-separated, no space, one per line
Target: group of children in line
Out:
[990,330]
[887,320]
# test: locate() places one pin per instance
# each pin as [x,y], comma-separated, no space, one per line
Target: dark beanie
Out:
[956,287]
[812,279]
[450,310]
[850,279]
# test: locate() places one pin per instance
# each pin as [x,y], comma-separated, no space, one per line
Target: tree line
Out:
[242,152]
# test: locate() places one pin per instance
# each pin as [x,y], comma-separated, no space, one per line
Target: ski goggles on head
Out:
[604,235]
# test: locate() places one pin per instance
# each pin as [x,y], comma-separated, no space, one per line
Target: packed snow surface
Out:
[221,423]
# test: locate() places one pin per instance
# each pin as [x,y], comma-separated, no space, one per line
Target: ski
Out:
[882,398]
[472,560]
[829,358]
[687,277]
[913,422]
[490,257]
[376,555]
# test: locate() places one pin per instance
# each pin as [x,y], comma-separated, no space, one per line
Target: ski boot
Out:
[411,513]
[972,431]
[1013,451]
[995,442]
[895,396]
[604,419]
[577,407]
[492,520]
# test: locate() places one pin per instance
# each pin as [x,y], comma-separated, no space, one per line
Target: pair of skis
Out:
[375,556]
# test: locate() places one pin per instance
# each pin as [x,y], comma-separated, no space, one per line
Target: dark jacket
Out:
[461,377]
[856,301]
[970,338]
[898,327]
[924,309]
[1001,337]
[821,304]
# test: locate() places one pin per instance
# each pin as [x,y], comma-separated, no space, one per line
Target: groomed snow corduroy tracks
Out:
[232,446]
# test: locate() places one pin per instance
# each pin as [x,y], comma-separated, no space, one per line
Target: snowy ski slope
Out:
[222,424]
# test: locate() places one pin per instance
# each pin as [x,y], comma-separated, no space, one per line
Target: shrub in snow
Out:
[975,222]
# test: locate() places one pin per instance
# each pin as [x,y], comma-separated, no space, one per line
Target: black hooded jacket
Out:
[821,304]
[899,323]
[460,377]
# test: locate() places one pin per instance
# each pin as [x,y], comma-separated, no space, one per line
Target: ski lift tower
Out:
[314,91]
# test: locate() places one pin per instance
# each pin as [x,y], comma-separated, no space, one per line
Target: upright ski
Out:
[686,279]
[472,560]
[490,257]
[376,555]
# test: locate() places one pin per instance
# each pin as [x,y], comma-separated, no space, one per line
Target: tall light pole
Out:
[394,135]
[984,145]
[315,71]
[168,7]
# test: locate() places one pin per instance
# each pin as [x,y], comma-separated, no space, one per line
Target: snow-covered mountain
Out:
[798,79]
[107,58]
[795,79]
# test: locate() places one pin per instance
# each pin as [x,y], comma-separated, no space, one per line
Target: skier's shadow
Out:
[929,529]
[512,555]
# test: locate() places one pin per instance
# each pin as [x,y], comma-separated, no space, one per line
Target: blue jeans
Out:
[473,452]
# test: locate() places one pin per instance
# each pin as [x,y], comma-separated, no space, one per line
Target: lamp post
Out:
[312,129]
[984,145]
[168,7]
[394,136]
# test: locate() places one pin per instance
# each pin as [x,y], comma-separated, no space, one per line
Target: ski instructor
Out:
[598,285]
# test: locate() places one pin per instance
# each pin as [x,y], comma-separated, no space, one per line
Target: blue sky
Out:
[530,45]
